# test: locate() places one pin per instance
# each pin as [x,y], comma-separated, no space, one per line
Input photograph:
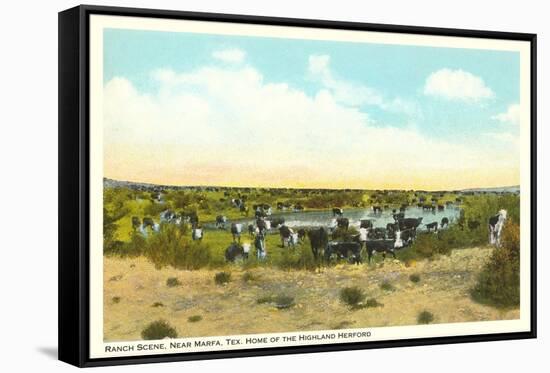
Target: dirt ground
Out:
[135,294]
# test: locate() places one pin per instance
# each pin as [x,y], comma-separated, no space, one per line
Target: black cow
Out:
[262,226]
[343,223]
[301,234]
[365,223]
[391,228]
[233,252]
[409,223]
[377,233]
[220,221]
[148,222]
[348,250]
[259,213]
[276,222]
[431,226]
[336,211]
[399,216]
[285,233]
[444,222]
[192,217]
[380,246]
[408,236]
[318,238]
[136,222]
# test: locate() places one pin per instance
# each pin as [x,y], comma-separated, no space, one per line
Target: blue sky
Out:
[456,96]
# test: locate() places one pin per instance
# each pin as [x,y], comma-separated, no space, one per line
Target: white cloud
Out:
[510,116]
[216,125]
[230,55]
[457,85]
[353,94]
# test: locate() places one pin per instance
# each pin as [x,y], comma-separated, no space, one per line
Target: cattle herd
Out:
[326,241]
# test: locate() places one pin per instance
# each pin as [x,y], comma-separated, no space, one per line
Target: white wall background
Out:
[28,174]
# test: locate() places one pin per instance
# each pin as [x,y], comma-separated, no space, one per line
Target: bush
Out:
[247,277]
[352,296]
[280,301]
[283,301]
[371,303]
[159,329]
[301,258]
[222,278]
[116,300]
[498,282]
[170,246]
[414,278]
[172,282]
[387,286]
[425,317]
[194,318]
[264,299]
[158,304]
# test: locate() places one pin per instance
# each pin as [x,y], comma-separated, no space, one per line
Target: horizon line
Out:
[308,188]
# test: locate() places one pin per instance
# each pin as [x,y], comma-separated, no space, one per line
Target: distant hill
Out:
[507,189]
[111,183]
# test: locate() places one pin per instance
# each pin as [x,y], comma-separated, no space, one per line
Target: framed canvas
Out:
[232,186]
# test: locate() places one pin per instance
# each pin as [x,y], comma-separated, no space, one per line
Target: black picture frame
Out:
[74,192]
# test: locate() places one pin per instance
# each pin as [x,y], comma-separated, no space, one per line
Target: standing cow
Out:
[236,230]
[197,234]
[318,238]
[496,223]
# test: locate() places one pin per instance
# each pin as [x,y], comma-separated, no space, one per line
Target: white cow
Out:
[495,227]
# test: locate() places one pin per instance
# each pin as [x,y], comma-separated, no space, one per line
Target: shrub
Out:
[387,286]
[283,301]
[194,318]
[159,329]
[371,303]
[280,301]
[110,226]
[264,299]
[498,282]
[352,296]
[135,247]
[170,246]
[116,300]
[301,258]
[247,277]
[158,304]
[222,278]
[425,317]
[415,277]
[172,282]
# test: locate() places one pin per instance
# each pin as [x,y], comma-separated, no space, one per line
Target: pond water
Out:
[308,219]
